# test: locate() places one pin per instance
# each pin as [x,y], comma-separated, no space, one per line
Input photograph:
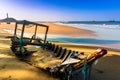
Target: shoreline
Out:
[67,43]
[82,47]
[63,34]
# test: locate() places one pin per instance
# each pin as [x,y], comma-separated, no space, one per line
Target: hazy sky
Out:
[59,10]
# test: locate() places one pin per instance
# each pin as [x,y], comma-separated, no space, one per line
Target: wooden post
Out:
[15,29]
[35,30]
[23,29]
[46,34]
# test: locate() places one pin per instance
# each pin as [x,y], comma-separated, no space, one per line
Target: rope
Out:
[84,70]
[47,46]
[21,41]
[69,72]
[90,69]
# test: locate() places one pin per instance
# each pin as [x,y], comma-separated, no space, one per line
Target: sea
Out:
[108,34]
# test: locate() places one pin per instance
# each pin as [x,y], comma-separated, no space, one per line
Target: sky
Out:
[61,10]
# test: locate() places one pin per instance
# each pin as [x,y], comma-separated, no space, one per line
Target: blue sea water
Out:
[93,22]
[108,33]
[85,40]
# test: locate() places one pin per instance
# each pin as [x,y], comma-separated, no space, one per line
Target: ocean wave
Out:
[109,26]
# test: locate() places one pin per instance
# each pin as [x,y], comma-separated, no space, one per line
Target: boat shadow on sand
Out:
[107,68]
[104,69]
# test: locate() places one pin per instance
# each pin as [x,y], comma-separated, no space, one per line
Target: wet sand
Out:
[107,68]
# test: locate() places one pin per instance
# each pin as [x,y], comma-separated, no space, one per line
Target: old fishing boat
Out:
[58,61]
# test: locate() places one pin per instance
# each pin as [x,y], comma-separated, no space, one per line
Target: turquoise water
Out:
[85,40]
[108,33]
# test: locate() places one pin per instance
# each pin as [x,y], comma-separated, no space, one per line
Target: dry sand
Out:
[107,68]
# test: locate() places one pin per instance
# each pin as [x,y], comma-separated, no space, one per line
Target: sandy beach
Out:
[68,30]
[54,29]
[107,68]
